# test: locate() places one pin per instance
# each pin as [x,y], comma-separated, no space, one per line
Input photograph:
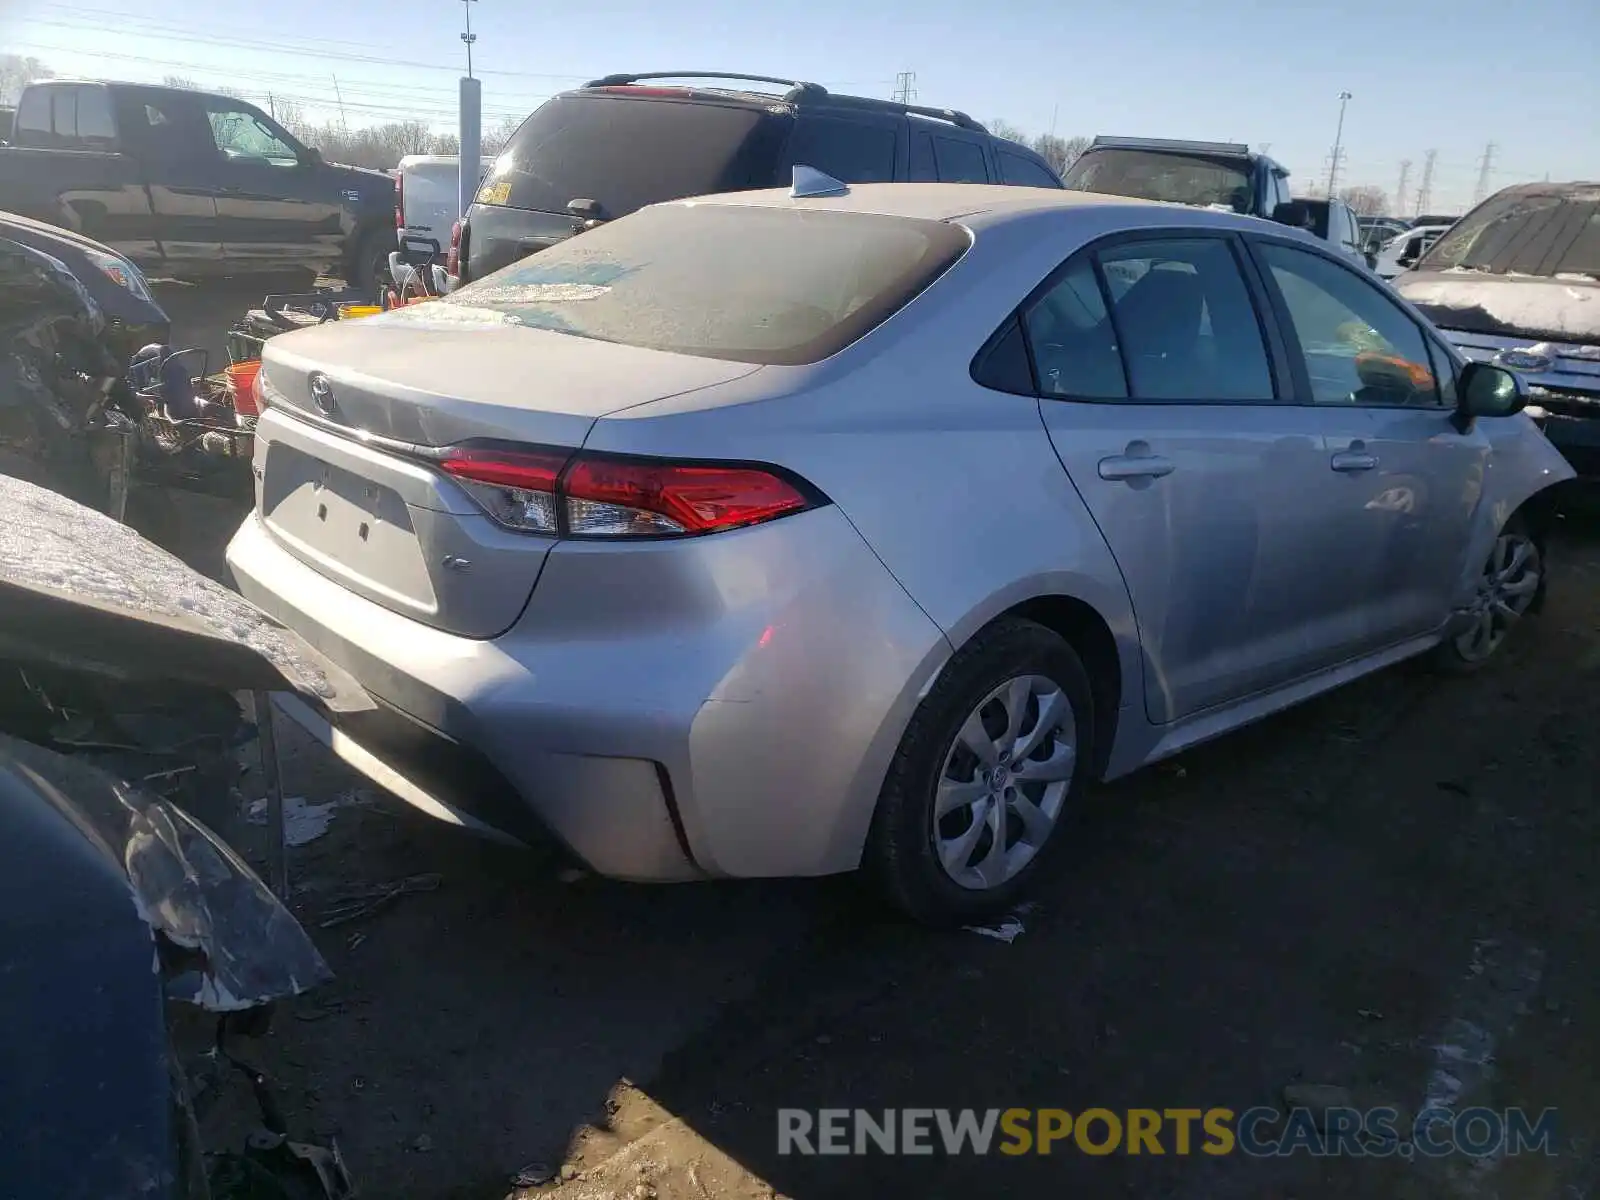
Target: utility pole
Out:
[1338,146]
[1400,188]
[469,123]
[343,124]
[272,106]
[905,89]
[1485,168]
[1425,192]
[1265,147]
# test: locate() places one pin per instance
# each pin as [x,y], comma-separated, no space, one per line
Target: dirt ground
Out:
[1322,899]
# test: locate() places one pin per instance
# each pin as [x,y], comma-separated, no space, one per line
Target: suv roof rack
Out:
[1138,143]
[800,92]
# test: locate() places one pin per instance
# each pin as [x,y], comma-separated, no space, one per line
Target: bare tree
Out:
[495,138]
[1059,152]
[16,73]
[1366,200]
[1002,128]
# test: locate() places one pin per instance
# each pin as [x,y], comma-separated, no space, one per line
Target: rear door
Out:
[1410,481]
[1165,395]
[1022,171]
[86,183]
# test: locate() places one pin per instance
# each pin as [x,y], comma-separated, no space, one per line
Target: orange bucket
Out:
[242,386]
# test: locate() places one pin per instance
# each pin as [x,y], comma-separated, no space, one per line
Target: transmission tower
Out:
[1485,169]
[905,87]
[1425,192]
[1400,188]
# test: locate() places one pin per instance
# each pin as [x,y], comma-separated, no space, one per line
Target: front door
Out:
[1412,480]
[1212,492]
[165,131]
[270,207]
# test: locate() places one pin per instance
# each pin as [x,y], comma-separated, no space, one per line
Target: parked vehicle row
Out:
[790,532]
[192,185]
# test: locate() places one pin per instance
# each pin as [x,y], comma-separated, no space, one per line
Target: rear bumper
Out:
[726,707]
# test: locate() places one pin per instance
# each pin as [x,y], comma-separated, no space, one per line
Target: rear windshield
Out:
[626,153]
[1526,233]
[752,284]
[1160,175]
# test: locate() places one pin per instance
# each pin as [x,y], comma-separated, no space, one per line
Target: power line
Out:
[1484,171]
[1425,192]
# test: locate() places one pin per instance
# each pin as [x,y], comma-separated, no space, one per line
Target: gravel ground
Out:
[1315,900]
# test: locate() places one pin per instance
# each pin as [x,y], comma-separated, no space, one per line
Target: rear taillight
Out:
[600,496]
[452,260]
[400,203]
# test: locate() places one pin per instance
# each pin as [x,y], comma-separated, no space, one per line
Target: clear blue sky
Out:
[1450,77]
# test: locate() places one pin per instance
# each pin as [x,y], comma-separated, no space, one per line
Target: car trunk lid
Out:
[344,483]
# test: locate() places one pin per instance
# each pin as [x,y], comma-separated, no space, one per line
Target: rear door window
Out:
[850,151]
[1188,328]
[750,283]
[960,161]
[626,153]
[1024,172]
[67,118]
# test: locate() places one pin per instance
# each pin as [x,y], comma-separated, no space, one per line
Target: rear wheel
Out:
[988,771]
[370,266]
[1510,582]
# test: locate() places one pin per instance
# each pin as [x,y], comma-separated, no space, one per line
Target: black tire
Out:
[901,846]
[368,272]
[1453,656]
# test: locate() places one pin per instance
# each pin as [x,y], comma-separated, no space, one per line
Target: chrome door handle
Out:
[1353,460]
[1127,466]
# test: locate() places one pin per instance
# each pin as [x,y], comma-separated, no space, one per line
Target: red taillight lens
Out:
[452,260]
[598,496]
[516,487]
[608,497]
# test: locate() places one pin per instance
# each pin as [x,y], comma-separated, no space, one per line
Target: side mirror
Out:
[1486,390]
[311,157]
[1371,256]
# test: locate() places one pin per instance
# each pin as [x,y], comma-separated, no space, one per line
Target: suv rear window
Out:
[1163,175]
[752,284]
[626,153]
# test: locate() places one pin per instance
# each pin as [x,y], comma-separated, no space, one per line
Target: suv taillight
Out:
[452,260]
[400,204]
[557,492]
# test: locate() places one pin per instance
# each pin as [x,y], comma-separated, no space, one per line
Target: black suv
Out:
[617,144]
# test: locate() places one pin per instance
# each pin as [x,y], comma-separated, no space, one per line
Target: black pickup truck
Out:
[192,185]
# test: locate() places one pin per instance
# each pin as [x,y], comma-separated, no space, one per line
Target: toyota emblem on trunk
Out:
[322,394]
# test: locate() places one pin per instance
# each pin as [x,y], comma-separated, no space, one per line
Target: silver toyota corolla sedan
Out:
[782,533]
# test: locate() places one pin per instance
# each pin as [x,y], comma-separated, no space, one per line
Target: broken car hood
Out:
[1558,308]
[80,590]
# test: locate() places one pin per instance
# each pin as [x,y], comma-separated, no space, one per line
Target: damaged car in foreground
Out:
[127,918]
[1516,283]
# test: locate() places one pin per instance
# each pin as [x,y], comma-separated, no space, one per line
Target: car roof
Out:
[933,201]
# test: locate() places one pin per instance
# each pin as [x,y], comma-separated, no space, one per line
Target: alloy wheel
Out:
[1507,588]
[1004,782]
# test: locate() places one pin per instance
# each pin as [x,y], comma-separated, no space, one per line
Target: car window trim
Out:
[1281,309]
[1280,363]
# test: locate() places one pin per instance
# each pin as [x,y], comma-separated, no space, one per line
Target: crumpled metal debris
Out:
[239,946]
